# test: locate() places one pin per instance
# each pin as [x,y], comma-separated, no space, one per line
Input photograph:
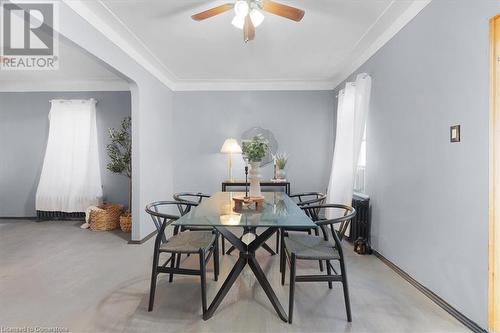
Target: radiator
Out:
[360,225]
[45,215]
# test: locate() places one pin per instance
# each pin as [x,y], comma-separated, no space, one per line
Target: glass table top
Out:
[278,211]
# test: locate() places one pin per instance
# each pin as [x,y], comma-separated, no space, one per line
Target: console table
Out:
[263,183]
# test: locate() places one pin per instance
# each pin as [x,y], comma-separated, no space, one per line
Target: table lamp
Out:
[230,147]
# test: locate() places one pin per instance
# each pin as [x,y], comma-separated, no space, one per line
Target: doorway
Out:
[494,216]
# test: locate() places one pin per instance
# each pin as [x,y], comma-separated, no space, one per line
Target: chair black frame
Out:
[162,220]
[319,199]
[181,197]
[338,235]
[197,199]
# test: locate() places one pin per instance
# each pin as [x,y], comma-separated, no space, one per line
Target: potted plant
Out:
[120,155]
[281,159]
[254,151]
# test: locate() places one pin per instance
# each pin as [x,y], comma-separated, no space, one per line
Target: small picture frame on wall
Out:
[455,133]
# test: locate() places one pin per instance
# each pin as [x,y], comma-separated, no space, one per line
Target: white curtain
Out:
[353,105]
[70,180]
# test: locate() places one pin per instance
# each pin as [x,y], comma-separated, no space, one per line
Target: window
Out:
[359,177]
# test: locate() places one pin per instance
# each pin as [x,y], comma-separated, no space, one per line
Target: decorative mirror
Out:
[267,135]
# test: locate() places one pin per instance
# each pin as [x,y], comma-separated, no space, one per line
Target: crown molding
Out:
[104,20]
[235,85]
[62,85]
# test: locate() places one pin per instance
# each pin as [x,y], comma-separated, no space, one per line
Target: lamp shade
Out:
[238,22]
[230,146]
[256,17]
[241,8]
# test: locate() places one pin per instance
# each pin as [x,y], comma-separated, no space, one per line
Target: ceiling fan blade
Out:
[212,12]
[248,30]
[275,8]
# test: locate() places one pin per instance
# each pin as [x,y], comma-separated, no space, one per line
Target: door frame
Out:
[494,179]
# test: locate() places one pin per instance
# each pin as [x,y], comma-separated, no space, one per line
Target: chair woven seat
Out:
[310,247]
[189,242]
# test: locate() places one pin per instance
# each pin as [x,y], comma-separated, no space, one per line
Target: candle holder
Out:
[247,200]
[246,181]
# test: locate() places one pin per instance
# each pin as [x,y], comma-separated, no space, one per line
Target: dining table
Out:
[257,224]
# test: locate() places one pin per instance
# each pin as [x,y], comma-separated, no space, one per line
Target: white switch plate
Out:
[455,133]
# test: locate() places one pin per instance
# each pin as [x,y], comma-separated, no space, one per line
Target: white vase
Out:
[254,178]
[280,174]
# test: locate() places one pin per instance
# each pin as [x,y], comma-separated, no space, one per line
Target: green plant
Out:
[255,149]
[281,160]
[120,151]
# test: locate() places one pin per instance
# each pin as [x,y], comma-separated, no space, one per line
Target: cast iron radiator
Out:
[360,225]
[42,215]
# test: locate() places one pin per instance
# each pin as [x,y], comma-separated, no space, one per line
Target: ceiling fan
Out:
[248,14]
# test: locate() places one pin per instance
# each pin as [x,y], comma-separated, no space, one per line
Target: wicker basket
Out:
[126,222]
[107,217]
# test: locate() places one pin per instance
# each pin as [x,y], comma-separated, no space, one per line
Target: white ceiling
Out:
[332,40]
[78,71]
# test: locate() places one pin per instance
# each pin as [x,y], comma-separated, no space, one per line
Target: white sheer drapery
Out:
[353,105]
[70,180]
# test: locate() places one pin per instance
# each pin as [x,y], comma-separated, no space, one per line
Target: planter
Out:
[280,174]
[254,178]
[105,217]
[126,222]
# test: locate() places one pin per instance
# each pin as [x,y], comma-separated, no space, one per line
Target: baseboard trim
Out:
[432,296]
[30,218]
[144,240]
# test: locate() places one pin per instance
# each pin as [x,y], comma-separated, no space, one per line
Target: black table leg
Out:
[247,256]
[231,249]
[268,249]
[261,277]
[228,283]
[264,246]
[252,230]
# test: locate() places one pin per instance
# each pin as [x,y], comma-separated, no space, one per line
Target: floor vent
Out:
[45,215]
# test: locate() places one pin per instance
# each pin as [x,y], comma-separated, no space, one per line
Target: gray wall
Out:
[152,140]
[302,122]
[429,196]
[24,129]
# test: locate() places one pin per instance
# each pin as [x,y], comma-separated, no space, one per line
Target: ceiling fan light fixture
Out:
[238,22]
[249,14]
[257,17]
[241,8]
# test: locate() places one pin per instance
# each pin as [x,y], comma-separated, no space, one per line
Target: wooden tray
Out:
[239,201]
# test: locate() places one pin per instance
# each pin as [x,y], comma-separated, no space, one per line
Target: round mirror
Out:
[267,135]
